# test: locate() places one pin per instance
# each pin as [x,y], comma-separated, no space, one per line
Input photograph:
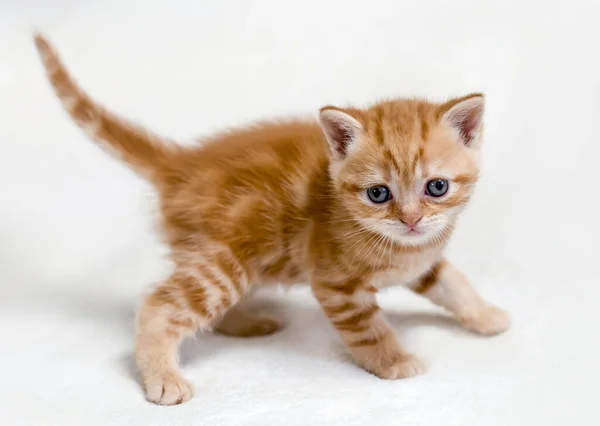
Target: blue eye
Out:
[436,187]
[379,194]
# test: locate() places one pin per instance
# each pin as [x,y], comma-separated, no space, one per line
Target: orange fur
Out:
[285,202]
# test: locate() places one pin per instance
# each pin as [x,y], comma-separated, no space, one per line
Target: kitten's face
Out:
[406,169]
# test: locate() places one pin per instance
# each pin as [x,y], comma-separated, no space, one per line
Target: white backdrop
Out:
[77,246]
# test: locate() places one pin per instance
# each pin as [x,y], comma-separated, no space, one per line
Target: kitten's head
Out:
[406,168]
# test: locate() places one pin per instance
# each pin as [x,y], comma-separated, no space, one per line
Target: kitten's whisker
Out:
[352,234]
[391,249]
[376,247]
[367,244]
[360,239]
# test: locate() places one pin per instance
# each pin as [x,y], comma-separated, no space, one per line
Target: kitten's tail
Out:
[148,154]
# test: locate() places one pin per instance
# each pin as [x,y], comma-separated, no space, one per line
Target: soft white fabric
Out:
[77,246]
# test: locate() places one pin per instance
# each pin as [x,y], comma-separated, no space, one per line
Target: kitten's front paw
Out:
[489,321]
[168,388]
[404,366]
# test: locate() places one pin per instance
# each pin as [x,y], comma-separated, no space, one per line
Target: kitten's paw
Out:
[168,388]
[405,366]
[249,326]
[261,325]
[489,321]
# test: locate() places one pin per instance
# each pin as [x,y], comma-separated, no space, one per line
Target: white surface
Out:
[76,240]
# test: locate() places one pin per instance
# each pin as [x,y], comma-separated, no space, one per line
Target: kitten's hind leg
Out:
[447,287]
[195,296]
[240,322]
[163,322]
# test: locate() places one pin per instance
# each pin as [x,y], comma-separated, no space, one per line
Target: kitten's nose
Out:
[411,220]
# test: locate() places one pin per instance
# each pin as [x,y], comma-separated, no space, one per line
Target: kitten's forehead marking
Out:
[404,161]
[401,135]
[375,176]
[406,136]
[379,134]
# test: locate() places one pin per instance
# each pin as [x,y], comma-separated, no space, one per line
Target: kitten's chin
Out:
[402,235]
[414,239]
[417,238]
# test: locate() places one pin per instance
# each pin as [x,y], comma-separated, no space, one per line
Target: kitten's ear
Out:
[466,116]
[341,130]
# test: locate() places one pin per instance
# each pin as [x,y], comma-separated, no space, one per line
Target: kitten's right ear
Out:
[341,130]
[465,115]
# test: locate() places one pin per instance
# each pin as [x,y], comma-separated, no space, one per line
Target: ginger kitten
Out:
[354,202]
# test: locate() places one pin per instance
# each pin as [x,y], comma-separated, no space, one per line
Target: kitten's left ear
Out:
[465,115]
[341,130]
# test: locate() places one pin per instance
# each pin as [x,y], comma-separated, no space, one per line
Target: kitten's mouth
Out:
[413,232]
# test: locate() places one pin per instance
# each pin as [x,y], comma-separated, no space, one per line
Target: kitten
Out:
[352,203]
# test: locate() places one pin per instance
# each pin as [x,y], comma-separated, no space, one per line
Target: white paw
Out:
[489,321]
[405,366]
[168,388]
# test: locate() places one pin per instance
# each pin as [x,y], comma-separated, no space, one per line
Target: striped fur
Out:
[135,145]
[285,202]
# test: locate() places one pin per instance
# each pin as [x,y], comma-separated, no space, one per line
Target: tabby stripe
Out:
[220,280]
[166,296]
[465,179]
[351,187]
[353,321]
[456,200]
[340,309]
[216,290]
[186,323]
[424,127]
[379,126]
[428,280]
[347,288]
[195,295]
[390,158]
[234,271]
[367,341]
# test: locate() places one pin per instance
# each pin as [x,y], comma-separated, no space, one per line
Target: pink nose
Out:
[411,221]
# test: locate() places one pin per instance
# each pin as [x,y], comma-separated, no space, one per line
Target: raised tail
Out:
[146,153]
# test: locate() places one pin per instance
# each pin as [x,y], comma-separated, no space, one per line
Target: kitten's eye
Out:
[437,187]
[379,194]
